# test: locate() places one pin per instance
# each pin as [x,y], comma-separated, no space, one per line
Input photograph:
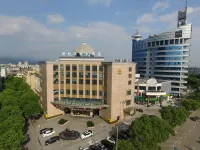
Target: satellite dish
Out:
[63,53]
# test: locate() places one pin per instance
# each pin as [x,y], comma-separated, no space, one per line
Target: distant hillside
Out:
[6,60]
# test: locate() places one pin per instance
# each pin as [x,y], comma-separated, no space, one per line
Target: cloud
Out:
[55,18]
[105,2]
[146,18]
[122,13]
[25,37]
[160,6]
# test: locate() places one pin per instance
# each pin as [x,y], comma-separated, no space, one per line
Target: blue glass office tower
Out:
[165,56]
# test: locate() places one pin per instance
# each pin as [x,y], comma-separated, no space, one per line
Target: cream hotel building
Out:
[84,84]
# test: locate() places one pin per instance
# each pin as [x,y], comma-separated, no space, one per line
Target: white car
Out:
[48,133]
[86,134]
[83,148]
[109,139]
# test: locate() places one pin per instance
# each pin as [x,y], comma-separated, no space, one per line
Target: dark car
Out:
[94,147]
[52,140]
[194,118]
[123,136]
[107,144]
[45,129]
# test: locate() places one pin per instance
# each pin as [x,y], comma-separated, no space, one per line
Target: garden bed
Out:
[90,124]
[62,122]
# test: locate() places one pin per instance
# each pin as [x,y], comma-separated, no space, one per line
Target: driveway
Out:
[100,130]
[187,136]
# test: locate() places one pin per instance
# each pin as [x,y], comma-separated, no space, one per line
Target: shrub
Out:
[90,124]
[62,121]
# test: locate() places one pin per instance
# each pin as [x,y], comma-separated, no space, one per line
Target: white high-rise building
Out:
[165,56]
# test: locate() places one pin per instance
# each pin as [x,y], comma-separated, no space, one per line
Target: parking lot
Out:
[100,131]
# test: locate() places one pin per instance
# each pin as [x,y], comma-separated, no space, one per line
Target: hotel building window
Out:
[172,41]
[80,74]
[100,93]
[129,75]
[129,82]
[94,68]
[74,92]
[128,102]
[130,69]
[101,75]
[81,67]
[67,74]
[87,68]
[62,81]
[74,68]
[74,81]
[56,81]
[149,44]
[87,92]
[61,74]
[94,82]
[87,81]
[94,74]
[87,75]
[55,92]
[176,41]
[100,68]
[166,42]
[128,92]
[67,81]
[68,91]
[161,42]
[67,67]
[55,67]
[61,67]
[181,41]
[80,92]
[74,74]
[94,93]
[61,91]
[157,43]
[153,43]
[100,82]
[80,81]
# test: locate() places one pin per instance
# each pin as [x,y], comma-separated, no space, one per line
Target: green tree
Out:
[190,104]
[174,116]
[147,131]
[125,145]
[193,81]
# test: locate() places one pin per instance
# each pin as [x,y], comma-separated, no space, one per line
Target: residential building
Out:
[3,72]
[29,78]
[194,70]
[84,84]
[165,56]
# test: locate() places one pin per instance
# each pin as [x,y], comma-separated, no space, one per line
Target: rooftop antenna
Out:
[137,32]
[186,4]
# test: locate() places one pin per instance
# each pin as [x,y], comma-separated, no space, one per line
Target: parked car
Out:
[194,118]
[123,136]
[107,144]
[48,133]
[86,134]
[95,147]
[52,140]
[109,139]
[45,129]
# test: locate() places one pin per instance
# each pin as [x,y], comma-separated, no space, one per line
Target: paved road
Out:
[187,136]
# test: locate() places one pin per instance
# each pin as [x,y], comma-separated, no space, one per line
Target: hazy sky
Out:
[45,28]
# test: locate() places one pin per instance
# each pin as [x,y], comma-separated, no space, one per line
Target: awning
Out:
[129,110]
[60,103]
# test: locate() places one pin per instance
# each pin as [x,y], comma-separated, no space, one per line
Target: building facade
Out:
[86,85]
[194,70]
[165,56]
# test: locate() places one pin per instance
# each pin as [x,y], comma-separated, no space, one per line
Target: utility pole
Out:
[117,138]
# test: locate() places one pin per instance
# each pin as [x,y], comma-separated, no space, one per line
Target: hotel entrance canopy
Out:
[80,104]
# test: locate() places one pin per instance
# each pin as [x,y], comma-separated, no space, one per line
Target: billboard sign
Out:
[182,15]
